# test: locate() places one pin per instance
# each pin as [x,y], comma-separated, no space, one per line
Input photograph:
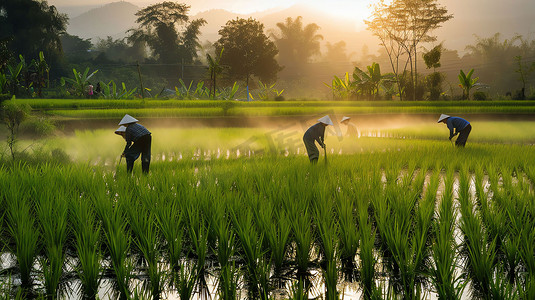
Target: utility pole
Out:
[140,80]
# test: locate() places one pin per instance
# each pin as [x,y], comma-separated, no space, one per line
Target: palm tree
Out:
[297,44]
[215,68]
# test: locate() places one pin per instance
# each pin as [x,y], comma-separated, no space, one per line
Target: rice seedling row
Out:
[265,227]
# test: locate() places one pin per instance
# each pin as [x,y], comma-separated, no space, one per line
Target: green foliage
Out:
[368,83]
[466,82]
[42,33]
[480,96]
[248,51]
[341,88]
[432,57]
[38,127]
[80,82]
[433,83]
[185,92]
[268,92]
[158,29]
[110,91]
[215,67]
[12,115]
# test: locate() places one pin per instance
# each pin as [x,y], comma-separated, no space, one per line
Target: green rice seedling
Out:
[117,243]
[146,239]
[479,256]
[228,281]
[170,221]
[252,253]
[22,233]
[349,237]
[198,236]
[298,291]
[303,235]
[226,249]
[186,280]
[367,259]
[444,251]
[327,231]
[276,228]
[404,229]
[52,212]
[87,245]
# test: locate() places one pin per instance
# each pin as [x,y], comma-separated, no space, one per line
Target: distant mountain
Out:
[476,17]
[112,19]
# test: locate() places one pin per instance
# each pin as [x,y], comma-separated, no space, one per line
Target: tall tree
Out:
[28,27]
[159,28]
[297,44]
[406,24]
[248,51]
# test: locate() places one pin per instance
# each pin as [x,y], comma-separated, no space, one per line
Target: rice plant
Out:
[87,244]
[146,239]
[170,223]
[446,282]
[52,214]
[253,255]
[327,238]
[349,234]
[23,235]
[117,242]
[198,237]
[479,255]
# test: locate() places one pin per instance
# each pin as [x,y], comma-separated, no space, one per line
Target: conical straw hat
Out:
[127,119]
[345,118]
[120,130]
[442,117]
[326,120]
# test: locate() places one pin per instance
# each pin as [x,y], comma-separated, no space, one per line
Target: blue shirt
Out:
[133,133]
[315,132]
[456,123]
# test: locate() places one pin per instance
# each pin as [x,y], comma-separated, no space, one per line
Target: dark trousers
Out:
[141,146]
[463,136]
[312,150]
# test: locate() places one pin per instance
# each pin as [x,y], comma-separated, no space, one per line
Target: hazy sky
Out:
[343,8]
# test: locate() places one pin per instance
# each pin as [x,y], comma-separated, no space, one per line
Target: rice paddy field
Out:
[396,212]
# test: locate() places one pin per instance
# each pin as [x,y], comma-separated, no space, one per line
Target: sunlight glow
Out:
[349,9]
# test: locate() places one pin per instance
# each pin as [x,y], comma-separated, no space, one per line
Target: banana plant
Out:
[467,83]
[229,93]
[341,87]
[268,91]
[15,72]
[80,81]
[110,91]
[370,82]
[43,73]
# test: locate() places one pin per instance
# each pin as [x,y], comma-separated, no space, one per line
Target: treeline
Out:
[165,49]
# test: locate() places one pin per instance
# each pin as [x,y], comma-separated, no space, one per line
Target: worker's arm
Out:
[321,141]
[450,127]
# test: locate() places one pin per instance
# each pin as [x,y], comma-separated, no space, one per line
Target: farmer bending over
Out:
[461,126]
[138,141]
[315,133]
[351,128]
